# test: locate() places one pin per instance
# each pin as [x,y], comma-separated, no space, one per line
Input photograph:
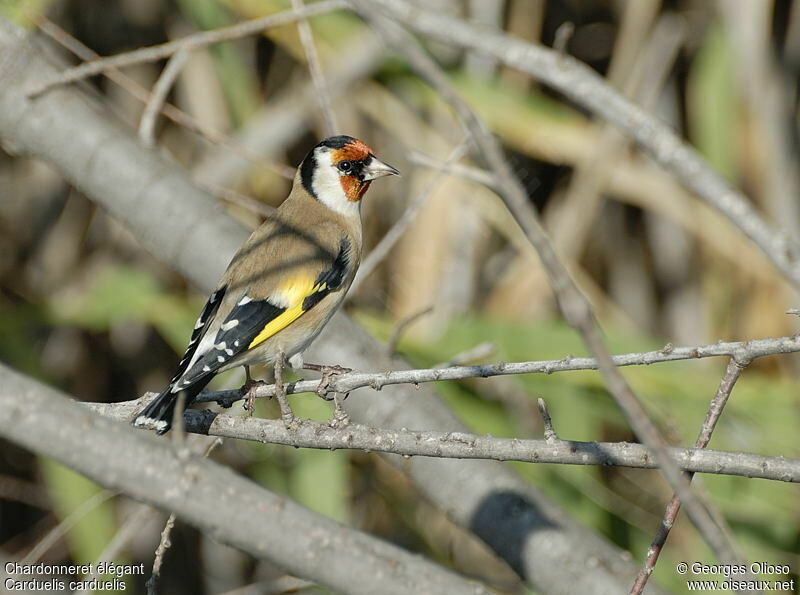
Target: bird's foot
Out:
[249,393]
[340,418]
[287,415]
[328,372]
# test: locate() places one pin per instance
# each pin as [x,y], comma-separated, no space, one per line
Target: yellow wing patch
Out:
[291,295]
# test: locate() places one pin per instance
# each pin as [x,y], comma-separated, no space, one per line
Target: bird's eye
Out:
[345,166]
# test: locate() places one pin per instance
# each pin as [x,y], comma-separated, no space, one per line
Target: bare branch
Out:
[463,445]
[549,432]
[582,85]
[164,544]
[188,43]
[184,228]
[315,68]
[285,119]
[466,172]
[740,351]
[252,519]
[130,528]
[158,97]
[574,305]
[732,374]
[180,117]
[57,533]
[402,326]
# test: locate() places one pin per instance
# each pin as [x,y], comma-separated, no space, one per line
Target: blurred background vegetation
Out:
[83,307]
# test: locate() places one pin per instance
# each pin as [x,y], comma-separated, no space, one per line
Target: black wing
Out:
[244,322]
[330,280]
[211,307]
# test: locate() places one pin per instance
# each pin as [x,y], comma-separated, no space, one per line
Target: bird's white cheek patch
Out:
[329,189]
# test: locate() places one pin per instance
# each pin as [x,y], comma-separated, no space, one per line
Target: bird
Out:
[285,282]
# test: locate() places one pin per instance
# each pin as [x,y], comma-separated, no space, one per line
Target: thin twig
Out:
[129,529]
[15,489]
[57,532]
[175,114]
[573,304]
[732,374]
[466,172]
[391,344]
[190,42]
[741,351]
[578,210]
[549,432]
[237,198]
[382,249]
[563,35]
[581,84]
[163,545]
[158,97]
[315,68]
[164,542]
[285,119]
[474,353]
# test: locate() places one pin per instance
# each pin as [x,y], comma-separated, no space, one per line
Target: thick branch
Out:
[211,497]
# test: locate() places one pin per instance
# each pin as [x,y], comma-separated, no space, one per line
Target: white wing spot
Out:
[236,343]
[150,423]
[200,322]
[221,345]
[220,359]
[229,351]
[244,300]
[206,369]
[229,325]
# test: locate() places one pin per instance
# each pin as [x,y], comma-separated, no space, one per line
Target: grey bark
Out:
[213,498]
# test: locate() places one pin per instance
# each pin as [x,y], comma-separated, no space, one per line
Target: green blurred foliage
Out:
[712,103]
[85,511]
[24,12]
[760,415]
[121,294]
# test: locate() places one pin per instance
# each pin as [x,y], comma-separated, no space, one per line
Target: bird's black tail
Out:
[159,413]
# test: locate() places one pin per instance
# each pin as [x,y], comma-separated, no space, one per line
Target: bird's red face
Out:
[350,160]
[338,171]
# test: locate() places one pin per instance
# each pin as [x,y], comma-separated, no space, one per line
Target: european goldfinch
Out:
[286,281]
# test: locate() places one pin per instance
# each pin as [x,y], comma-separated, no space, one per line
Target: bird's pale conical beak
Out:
[377,169]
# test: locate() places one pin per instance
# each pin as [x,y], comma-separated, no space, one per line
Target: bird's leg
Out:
[328,372]
[280,390]
[340,418]
[249,391]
